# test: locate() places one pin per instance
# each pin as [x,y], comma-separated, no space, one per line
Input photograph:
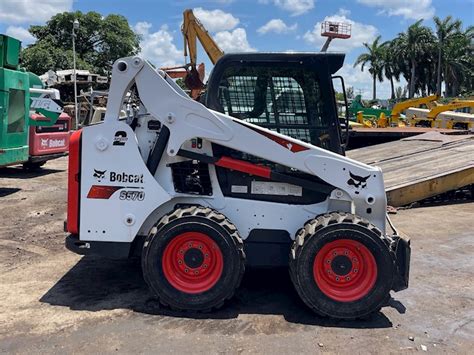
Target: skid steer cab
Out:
[199,195]
[289,93]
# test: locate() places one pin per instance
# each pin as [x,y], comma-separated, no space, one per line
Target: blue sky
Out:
[263,25]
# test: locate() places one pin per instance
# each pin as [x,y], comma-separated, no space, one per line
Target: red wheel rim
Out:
[345,270]
[192,262]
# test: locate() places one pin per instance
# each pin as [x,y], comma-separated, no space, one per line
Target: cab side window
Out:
[285,100]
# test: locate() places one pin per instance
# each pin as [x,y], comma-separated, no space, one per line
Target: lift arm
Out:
[402,106]
[435,111]
[192,28]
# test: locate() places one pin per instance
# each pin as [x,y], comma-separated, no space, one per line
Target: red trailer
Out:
[48,142]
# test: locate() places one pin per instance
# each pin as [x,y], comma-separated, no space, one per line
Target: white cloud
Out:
[142,28]
[360,33]
[234,41]
[409,9]
[20,33]
[31,11]
[344,12]
[276,26]
[362,82]
[158,47]
[294,7]
[216,20]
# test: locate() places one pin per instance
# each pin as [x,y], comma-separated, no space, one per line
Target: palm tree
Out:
[413,45]
[458,66]
[401,93]
[390,65]
[445,30]
[373,58]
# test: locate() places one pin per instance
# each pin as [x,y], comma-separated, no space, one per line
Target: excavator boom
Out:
[192,28]
[402,106]
[456,104]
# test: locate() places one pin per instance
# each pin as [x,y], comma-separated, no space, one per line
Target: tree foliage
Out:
[425,58]
[446,30]
[99,42]
[373,58]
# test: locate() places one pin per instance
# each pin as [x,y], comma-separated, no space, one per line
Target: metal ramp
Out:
[423,166]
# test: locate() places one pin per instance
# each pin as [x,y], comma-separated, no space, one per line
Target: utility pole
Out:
[75,26]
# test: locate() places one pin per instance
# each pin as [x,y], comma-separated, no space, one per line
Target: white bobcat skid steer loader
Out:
[156,186]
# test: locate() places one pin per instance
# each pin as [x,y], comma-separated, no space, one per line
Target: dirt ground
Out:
[53,301]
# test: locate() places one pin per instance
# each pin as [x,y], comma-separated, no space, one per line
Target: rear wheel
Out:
[194,260]
[341,266]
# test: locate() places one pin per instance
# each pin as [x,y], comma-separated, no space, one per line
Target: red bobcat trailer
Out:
[48,142]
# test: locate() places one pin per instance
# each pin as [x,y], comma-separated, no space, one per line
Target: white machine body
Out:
[120,199]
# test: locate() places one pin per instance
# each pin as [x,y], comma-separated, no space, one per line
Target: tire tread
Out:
[221,220]
[320,222]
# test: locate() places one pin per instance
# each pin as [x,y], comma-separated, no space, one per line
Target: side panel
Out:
[117,191]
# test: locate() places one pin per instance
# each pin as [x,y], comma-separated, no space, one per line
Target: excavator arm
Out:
[193,29]
[402,106]
[456,104]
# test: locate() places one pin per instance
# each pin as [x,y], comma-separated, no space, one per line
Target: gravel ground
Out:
[54,301]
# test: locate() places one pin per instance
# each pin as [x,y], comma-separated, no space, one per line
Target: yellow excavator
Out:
[440,116]
[428,101]
[456,120]
[193,30]
[453,105]
[182,71]
[192,73]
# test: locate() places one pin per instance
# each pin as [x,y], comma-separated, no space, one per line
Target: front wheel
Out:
[341,266]
[195,260]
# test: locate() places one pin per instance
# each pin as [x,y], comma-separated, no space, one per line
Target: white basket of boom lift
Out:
[332,30]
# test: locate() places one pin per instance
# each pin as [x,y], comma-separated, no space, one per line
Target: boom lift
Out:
[200,194]
[332,30]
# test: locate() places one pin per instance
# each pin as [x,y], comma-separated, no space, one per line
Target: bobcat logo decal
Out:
[99,175]
[359,182]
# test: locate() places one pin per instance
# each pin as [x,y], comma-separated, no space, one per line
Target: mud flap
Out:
[402,262]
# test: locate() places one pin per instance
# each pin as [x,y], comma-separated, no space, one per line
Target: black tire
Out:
[319,236]
[160,257]
[33,166]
